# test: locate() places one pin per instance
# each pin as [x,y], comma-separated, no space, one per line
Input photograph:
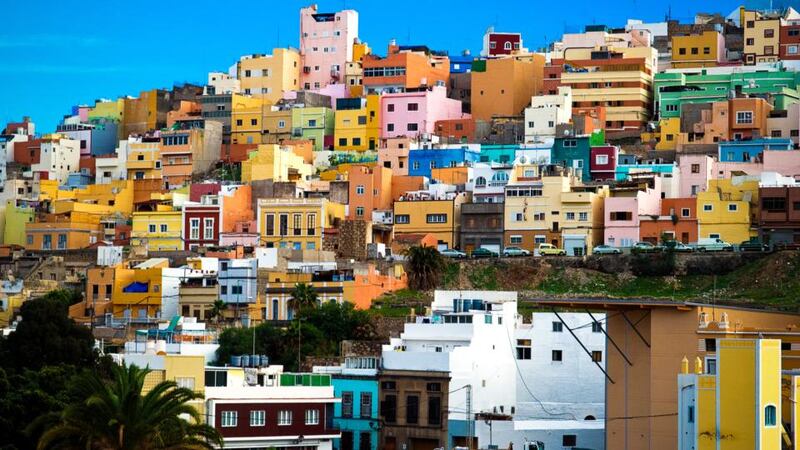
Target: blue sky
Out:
[56,54]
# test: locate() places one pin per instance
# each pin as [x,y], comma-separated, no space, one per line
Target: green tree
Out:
[217,310]
[46,336]
[116,414]
[425,267]
[304,297]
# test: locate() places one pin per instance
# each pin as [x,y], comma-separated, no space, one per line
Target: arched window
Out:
[507,46]
[275,309]
[770,416]
[589,417]
[480,181]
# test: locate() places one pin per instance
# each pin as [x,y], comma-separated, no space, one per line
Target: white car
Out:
[452,253]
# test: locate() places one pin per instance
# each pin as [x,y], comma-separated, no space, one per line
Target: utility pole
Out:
[469,416]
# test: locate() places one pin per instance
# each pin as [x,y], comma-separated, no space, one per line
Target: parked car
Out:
[551,250]
[646,247]
[515,251]
[713,245]
[678,246]
[484,253]
[452,253]
[606,250]
[754,245]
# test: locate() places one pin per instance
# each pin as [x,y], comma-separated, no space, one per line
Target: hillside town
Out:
[147,252]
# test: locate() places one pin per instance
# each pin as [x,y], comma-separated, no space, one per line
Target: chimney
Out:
[393,47]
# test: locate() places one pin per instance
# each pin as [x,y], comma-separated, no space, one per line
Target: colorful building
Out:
[677,220]
[422,161]
[762,31]
[625,205]
[316,124]
[404,69]
[326,45]
[277,163]
[246,118]
[158,230]
[357,125]
[144,160]
[269,76]
[705,49]
[728,209]
[370,189]
[187,152]
[296,223]
[71,231]
[413,114]
[504,86]
[436,213]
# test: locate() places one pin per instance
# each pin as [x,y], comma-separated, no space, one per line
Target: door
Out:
[686,425]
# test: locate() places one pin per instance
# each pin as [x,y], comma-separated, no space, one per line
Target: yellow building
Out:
[552,208]
[186,370]
[138,290]
[278,287]
[269,76]
[424,212]
[666,136]
[144,160]
[18,215]
[706,49]
[622,82]
[275,162]
[728,209]
[738,407]
[358,128]
[158,230]
[277,125]
[246,117]
[297,223]
[761,36]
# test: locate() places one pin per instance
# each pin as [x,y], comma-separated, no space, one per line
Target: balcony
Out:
[148,164]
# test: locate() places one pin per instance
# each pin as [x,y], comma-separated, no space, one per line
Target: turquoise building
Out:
[574,152]
[356,384]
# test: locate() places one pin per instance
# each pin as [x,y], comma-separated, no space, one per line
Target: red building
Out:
[455,131]
[678,221]
[28,153]
[201,223]
[500,44]
[790,40]
[198,190]
[603,162]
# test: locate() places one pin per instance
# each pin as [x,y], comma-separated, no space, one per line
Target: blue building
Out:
[77,180]
[746,151]
[104,136]
[422,160]
[356,384]
[238,284]
[574,152]
[461,64]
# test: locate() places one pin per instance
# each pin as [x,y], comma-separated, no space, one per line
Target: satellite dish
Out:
[250,377]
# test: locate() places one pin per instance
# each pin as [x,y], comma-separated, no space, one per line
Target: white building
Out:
[487,182]
[468,334]
[221,83]
[112,167]
[59,156]
[545,112]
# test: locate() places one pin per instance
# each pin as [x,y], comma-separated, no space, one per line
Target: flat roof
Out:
[645,303]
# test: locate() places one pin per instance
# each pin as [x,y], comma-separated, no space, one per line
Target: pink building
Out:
[326,45]
[244,234]
[393,154]
[697,170]
[412,114]
[628,201]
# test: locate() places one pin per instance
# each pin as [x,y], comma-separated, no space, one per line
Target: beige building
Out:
[504,87]
[761,36]
[277,125]
[269,76]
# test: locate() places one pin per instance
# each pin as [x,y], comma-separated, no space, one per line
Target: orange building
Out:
[186,111]
[404,69]
[406,183]
[455,130]
[504,87]
[369,284]
[451,175]
[63,232]
[589,118]
[678,221]
[748,118]
[237,207]
[186,152]
[99,289]
[370,190]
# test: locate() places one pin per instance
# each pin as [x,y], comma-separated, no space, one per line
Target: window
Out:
[236,290]
[733,207]
[389,407]
[708,207]
[711,345]
[507,46]
[62,241]
[185,382]
[480,181]
[597,356]
[583,217]
[230,418]
[151,228]
[390,107]
[402,218]
[436,218]
[773,203]
[360,189]
[792,49]
[311,224]
[744,117]
[769,50]
[570,216]
[47,242]
[557,356]
[621,215]
[208,229]
[258,418]
[597,327]
[695,168]
[671,108]
[706,50]
[601,159]
[312,417]
[434,410]
[281,124]
[390,127]
[347,404]
[776,133]
[284,418]
[682,51]
[769,32]
[163,228]
[685,212]
[342,142]
[412,127]
[412,409]
[362,120]
[523,349]
[569,440]
[360,211]
[519,217]
[413,106]
[558,327]
[516,239]
[570,143]
[695,50]
[270,224]
[711,366]
[366,405]
[751,41]
[770,416]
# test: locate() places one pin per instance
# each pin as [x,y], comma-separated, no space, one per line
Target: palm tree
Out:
[217,309]
[425,266]
[304,296]
[117,415]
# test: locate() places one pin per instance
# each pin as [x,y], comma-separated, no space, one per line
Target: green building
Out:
[315,124]
[674,88]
